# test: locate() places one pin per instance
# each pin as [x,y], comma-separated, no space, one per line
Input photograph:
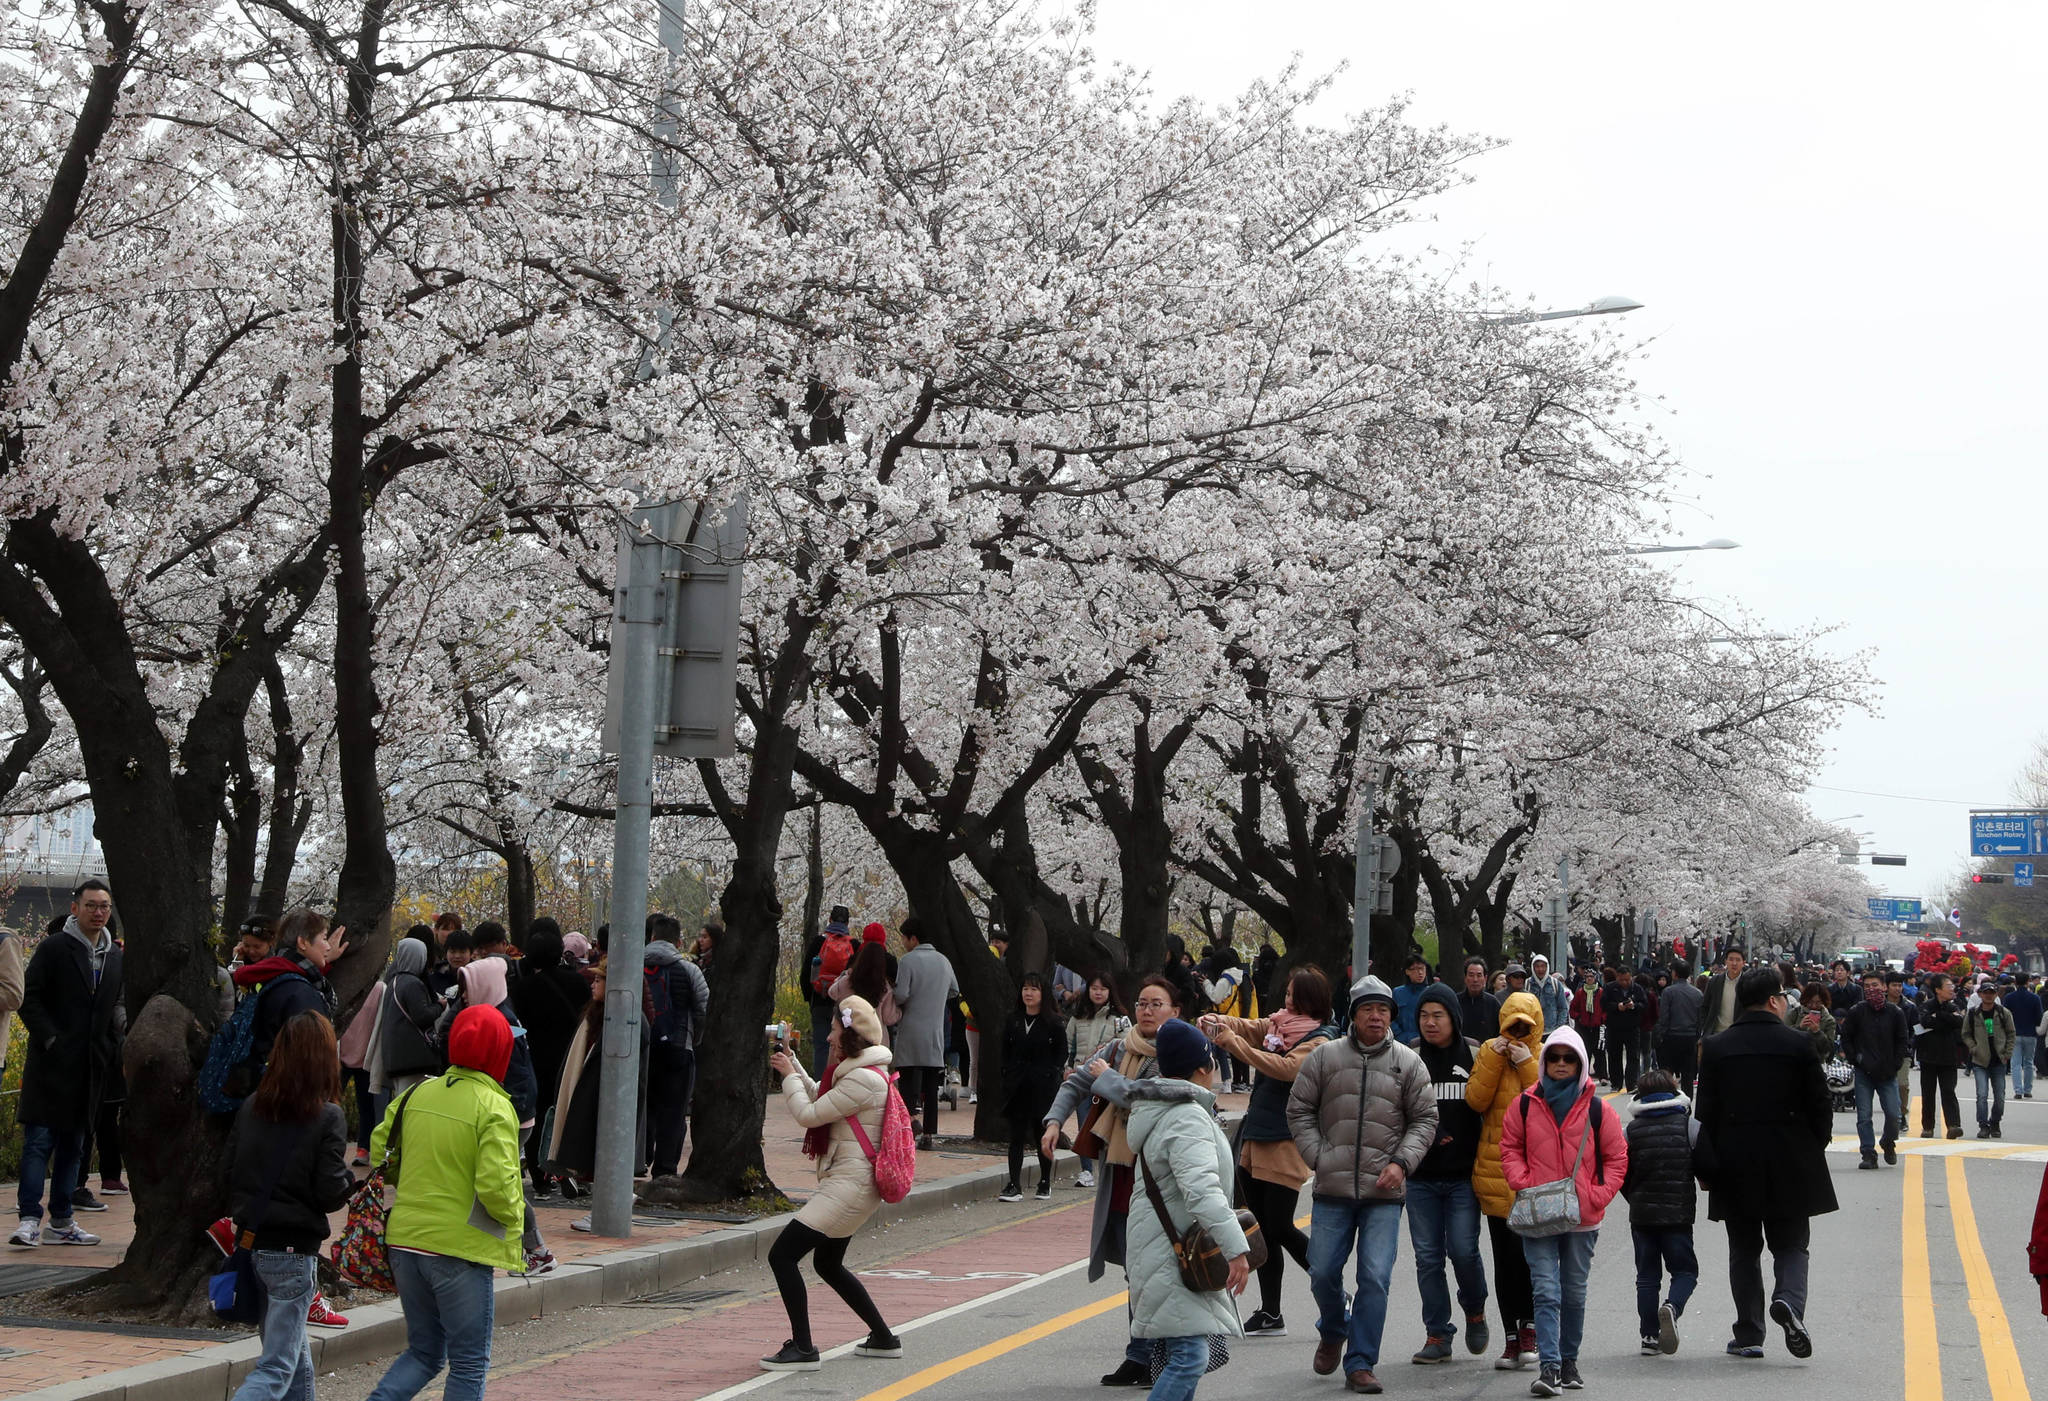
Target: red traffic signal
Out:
[1988,878]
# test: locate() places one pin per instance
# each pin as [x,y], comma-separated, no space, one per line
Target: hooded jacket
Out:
[1553,996]
[484,986]
[405,1044]
[1536,1148]
[846,1195]
[1497,1081]
[688,993]
[280,997]
[1456,1146]
[458,1150]
[1173,1126]
[1659,1186]
[1354,1110]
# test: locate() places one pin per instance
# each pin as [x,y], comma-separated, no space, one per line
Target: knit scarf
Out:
[1115,1120]
[1874,998]
[1288,1028]
[818,1138]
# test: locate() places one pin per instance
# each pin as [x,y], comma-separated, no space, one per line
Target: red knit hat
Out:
[481,1039]
[874,934]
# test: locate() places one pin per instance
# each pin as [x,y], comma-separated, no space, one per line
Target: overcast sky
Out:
[1834,216]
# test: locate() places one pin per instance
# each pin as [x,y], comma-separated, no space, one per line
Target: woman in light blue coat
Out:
[1179,1145]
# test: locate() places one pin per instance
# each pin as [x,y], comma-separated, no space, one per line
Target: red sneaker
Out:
[320,1316]
[222,1234]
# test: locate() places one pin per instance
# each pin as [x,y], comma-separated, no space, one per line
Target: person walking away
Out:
[2025,1005]
[405,1051]
[677,1000]
[1407,998]
[1099,1091]
[1363,1114]
[1988,1037]
[1226,983]
[855,1087]
[70,1000]
[1478,1009]
[1720,1006]
[1938,1047]
[925,988]
[549,998]
[1895,995]
[1680,1016]
[1443,1210]
[1186,1175]
[1662,1206]
[287,1172]
[1874,1042]
[1622,1003]
[868,978]
[1764,1130]
[1501,1070]
[355,1046]
[1265,972]
[1811,1018]
[1270,1170]
[1553,996]
[485,984]
[825,957]
[1561,1129]
[1034,1053]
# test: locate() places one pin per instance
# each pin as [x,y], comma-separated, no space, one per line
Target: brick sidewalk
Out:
[33,1356]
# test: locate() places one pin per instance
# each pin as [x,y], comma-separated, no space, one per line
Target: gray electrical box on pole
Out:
[1557,920]
[1372,882]
[669,690]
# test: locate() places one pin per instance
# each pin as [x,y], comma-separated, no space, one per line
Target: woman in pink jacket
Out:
[1558,1122]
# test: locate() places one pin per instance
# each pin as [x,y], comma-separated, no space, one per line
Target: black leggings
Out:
[1511,1286]
[785,1258]
[1940,1078]
[1272,1204]
[1020,1134]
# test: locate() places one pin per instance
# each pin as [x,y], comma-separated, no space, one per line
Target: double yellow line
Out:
[1994,1330]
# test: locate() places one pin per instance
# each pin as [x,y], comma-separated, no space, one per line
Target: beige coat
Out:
[846,1195]
[10,986]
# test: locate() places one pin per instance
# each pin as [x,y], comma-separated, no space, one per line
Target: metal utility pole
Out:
[1560,930]
[1364,880]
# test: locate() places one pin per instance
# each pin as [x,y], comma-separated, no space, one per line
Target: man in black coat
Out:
[71,1007]
[1875,1042]
[1624,1004]
[1764,1130]
[1478,1009]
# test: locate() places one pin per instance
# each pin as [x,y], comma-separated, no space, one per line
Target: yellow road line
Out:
[954,1366]
[1994,1332]
[1916,1291]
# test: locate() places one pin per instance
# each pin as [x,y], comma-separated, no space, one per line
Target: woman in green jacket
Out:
[459,1209]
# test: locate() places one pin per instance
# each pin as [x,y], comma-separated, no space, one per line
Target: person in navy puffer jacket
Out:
[1663,1203]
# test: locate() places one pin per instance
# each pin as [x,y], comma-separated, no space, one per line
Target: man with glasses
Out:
[1765,1123]
[1363,1114]
[71,1006]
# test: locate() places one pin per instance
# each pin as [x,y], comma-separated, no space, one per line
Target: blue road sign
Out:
[1893,911]
[2006,834]
[2022,873]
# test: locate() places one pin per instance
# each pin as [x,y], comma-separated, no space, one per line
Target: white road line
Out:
[954,1311]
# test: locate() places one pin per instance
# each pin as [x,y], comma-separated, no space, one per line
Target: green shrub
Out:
[10,1101]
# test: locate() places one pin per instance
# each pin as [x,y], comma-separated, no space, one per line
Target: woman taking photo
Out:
[1501,1070]
[458,1211]
[291,1142]
[1938,1047]
[1099,1092]
[1549,1136]
[1185,1175]
[856,1086]
[1034,1051]
[1271,1166]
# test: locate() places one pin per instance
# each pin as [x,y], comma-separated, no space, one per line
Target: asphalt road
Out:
[1920,1290]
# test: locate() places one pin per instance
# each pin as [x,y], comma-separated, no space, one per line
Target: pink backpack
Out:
[896,1164]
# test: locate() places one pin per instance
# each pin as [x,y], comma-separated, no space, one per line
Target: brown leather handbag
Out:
[1203,1266]
[1088,1143]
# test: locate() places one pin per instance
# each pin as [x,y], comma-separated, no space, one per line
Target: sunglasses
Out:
[1559,1058]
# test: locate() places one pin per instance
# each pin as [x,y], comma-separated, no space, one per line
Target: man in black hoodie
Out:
[1443,1212]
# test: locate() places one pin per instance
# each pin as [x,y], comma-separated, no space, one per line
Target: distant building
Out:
[45,857]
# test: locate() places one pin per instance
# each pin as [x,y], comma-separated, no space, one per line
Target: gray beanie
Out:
[1367,989]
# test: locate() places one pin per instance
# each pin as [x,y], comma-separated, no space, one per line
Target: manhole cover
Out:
[680,1298]
[20,1279]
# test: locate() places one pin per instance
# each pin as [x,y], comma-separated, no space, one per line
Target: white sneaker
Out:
[73,1234]
[581,1223]
[1086,1179]
[974,1097]
[29,1233]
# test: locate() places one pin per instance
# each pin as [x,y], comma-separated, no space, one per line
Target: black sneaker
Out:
[1797,1342]
[1011,1193]
[1650,1346]
[1546,1383]
[1867,1163]
[1891,1154]
[82,1199]
[1265,1325]
[1568,1375]
[1997,1132]
[1044,1192]
[1667,1328]
[792,1358]
[1128,1373]
[879,1345]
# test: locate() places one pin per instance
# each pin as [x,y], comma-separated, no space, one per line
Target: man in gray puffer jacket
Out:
[1363,1114]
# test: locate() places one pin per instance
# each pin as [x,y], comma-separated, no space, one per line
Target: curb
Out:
[377,1331]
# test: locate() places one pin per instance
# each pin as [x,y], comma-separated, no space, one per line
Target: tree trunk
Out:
[242,823]
[289,811]
[521,895]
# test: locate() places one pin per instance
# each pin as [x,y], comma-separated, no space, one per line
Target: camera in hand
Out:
[778,1037]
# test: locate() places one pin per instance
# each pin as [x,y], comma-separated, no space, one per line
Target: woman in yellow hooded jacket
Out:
[1501,1070]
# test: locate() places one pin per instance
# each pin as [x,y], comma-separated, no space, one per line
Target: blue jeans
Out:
[448,1304]
[1186,1358]
[1334,1226]
[56,1154]
[1990,1085]
[1443,1220]
[1887,1094]
[2023,1048]
[285,1371]
[1657,1251]
[1558,1267]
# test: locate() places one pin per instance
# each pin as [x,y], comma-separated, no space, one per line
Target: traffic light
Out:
[1988,878]
[1879,859]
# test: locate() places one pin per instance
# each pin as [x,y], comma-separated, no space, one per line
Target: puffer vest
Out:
[1660,1191]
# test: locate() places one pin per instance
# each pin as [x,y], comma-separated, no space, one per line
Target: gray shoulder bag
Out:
[1551,1208]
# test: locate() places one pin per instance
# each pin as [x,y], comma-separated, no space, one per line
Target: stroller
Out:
[1841,1085]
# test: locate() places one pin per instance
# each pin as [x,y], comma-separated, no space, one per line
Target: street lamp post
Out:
[1605,306]
[1718,543]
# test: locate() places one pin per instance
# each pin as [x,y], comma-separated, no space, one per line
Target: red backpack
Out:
[895,1163]
[833,957]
